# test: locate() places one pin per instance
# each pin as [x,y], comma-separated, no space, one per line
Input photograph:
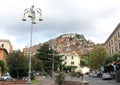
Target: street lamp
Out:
[53,66]
[30,12]
[52,48]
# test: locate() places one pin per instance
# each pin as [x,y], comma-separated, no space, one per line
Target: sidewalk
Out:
[45,81]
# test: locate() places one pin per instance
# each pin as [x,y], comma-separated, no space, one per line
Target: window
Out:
[65,62]
[109,44]
[65,57]
[72,63]
[72,57]
[118,34]
[2,45]
[119,44]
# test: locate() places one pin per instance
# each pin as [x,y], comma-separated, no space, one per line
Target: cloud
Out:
[92,18]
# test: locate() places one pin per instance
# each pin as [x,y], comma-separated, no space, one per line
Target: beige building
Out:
[112,44]
[26,51]
[71,58]
[6,44]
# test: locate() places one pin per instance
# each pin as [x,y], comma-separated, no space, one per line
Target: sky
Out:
[95,19]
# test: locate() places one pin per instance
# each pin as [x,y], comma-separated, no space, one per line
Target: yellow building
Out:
[71,58]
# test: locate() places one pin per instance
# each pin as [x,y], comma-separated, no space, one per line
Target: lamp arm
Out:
[39,11]
[26,11]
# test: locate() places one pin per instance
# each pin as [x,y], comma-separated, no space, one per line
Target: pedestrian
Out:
[82,76]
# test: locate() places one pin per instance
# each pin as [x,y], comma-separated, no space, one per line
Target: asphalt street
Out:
[90,80]
[99,81]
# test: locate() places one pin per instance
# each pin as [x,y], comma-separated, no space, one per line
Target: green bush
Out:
[32,76]
[74,74]
[45,74]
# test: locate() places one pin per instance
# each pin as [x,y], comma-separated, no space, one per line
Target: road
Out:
[99,81]
[91,80]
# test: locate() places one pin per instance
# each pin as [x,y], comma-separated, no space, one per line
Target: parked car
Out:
[90,74]
[99,74]
[6,77]
[94,75]
[106,76]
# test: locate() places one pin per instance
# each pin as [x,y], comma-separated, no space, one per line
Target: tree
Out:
[36,64]
[70,68]
[3,66]
[116,56]
[108,64]
[108,60]
[17,64]
[97,57]
[79,36]
[84,61]
[45,54]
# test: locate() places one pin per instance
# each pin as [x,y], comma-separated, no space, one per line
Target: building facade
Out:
[3,54]
[112,44]
[6,44]
[71,58]
[26,51]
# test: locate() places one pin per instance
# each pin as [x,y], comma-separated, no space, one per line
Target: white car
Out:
[106,76]
[6,77]
[94,75]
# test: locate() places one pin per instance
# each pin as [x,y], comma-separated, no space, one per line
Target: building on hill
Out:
[6,44]
[64,43]
[68,35]
[112,44]
[26,50]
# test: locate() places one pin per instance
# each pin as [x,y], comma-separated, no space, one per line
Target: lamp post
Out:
[52,48]
[30,12]
[53,67]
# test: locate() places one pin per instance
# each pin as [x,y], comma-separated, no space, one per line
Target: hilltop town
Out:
[69,42]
